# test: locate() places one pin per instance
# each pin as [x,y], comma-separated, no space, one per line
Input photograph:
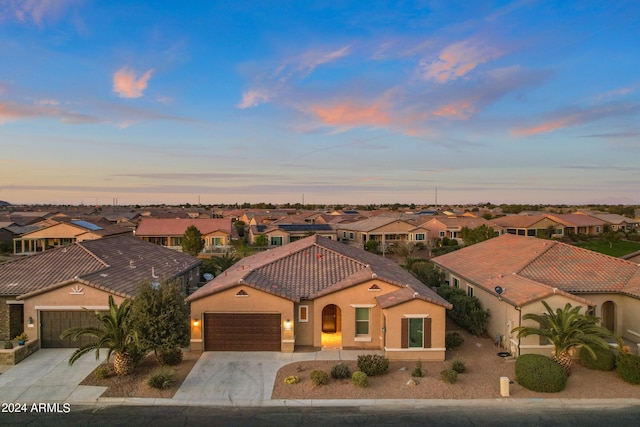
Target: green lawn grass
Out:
[623,247]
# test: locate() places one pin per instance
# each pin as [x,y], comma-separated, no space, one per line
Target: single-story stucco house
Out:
[46,293]
[511,275]
[321,293]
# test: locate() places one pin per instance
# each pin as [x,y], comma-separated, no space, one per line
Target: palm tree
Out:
[115,333]
[224,262]
[567,329]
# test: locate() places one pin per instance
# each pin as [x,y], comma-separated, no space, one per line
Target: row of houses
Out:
[284,227]
[321,293]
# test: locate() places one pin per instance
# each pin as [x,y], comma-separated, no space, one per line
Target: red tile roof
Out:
[315,266]
[177,226]
[531,268]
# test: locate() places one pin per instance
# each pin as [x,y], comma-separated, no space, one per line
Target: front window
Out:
[303,313]
[276,241]
[469,291]
[456,283]
[216,241]
[416,333]
[362,321]
[420,236]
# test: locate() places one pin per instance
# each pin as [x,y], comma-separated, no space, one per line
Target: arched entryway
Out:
[609,315]
[331,326]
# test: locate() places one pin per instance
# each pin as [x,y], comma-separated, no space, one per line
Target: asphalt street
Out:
[158,416]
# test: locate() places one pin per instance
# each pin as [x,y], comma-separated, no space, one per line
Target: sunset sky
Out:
[322,101]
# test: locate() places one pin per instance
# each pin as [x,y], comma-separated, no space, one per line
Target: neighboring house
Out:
[46,293]
[383,230]
[615,221]
[321,293]
[530,225]
[282,234]
[511,275]
[168,232]
[579,224]
[54,234]
[450,227]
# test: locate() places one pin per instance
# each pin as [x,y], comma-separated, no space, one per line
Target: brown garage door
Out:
[241,332]
[53,323]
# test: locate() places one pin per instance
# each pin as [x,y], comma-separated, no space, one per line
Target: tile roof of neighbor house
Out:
[116,264]
[316,266]
[576,219]
[612,218]
[177,226]
[531,269]
[368,224]
[518,221]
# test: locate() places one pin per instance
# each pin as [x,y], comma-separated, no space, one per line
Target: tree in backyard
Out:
[240,226]
[566,328]
[261,240]
[471,236]
[224,262]
[115,333]
[611,237]
[427,273]
[160,316]
[192,241]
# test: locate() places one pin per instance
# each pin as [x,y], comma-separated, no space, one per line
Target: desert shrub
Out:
[540,373]
[373,364]
[458,365]
[291,379]
[449,376]
[360,379]
[453,340]
[605,359]
[628,367]
[162,378]
[319,377]
[417,372]
[8,345]
[170,357]
[467,310]
[102,372]
[340,371]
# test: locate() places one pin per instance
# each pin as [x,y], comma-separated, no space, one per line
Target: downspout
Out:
[519,324]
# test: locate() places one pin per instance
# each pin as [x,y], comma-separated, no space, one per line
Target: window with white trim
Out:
[416,332]
[362,320]
[419,236]
[469,291]
[303,313]
[276,241]
[442,234]
[456,283]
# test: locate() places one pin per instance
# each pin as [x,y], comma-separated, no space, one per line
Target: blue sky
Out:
[334,101]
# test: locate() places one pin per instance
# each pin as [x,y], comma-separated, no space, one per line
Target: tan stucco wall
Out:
[627,313]
[56,231]
[344,299]
[257,301]
[63,299]
[393,346]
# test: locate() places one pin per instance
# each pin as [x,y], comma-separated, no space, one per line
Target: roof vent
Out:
[374,276]
[242,293]
[131,264]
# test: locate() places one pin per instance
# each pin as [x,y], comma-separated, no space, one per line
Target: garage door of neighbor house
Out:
[53,323]
[241,332]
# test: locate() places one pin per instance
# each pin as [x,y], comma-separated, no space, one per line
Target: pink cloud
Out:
[35,10]
[456,110]
[548,126]
[457,60]
[253,98]
[349,114]
[126,85]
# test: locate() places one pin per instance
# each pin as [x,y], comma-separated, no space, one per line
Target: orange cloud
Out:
[349,114]
[126,85]
[457,60]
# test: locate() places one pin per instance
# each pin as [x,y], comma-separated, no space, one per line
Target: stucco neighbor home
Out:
[47,293]
[321,293]
[511,275]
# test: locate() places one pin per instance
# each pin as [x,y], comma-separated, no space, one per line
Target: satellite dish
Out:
[207,276]
[499,290]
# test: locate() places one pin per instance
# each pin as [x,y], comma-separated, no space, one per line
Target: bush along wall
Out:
[605,359]
[467,311]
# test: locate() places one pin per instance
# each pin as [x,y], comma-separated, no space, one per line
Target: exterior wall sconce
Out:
[30,322]
[287,325]
[196,322]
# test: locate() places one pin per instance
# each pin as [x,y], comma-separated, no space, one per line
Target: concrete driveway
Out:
[243,378]
[45,376]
